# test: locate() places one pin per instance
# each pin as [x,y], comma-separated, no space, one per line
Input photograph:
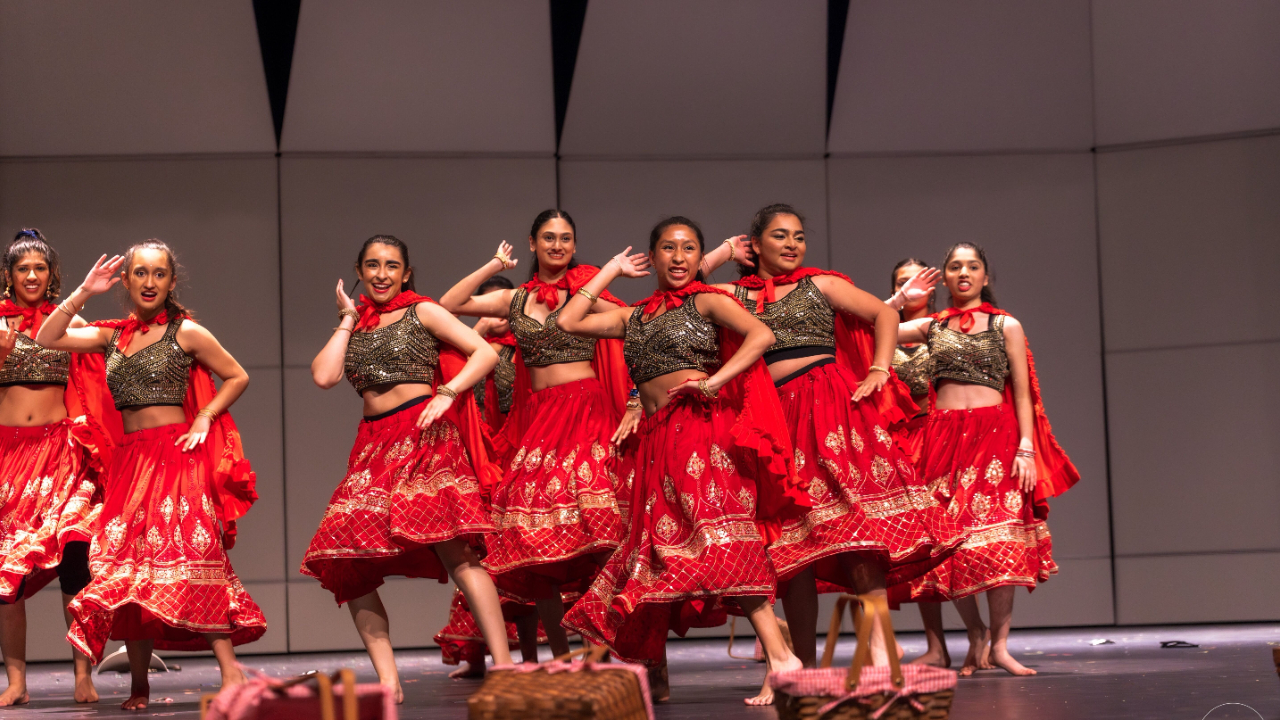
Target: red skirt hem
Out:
[693,544]
[556,509]
[42,475]
[405,490]
[159,568]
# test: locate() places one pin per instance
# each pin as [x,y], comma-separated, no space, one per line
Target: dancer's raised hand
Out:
[104,275]
[632,266]
[344,301]
[921,284]
[504,255]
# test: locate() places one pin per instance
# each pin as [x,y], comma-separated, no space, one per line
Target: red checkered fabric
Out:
[829,683]
[559,666]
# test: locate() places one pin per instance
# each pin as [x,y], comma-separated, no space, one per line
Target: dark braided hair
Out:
[175,309]
[28,240]
[988,295]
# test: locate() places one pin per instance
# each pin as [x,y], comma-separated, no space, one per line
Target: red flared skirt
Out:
[159,568]
[45,502]
[867,498]
[405,490]
[692,542]
[968,461]
[556,509]
[460,640]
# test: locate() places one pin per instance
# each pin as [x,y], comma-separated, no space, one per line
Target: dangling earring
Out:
[7,287]
[48,292]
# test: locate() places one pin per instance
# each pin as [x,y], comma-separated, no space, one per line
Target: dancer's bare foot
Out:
[468,670]
[979,655]
[937,657]
[85,691]
[1001,658]
[139,698]
[15,695]
[766,692]
[232,676]
[659,684]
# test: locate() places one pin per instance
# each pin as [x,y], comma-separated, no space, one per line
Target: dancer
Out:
[556,512]
[990,458]
[174,490]
[872,518]
[709,475]
[913,297]
[494,394]
[49,464]
[411,503]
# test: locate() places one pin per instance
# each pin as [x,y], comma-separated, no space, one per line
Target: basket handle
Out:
[594,653]
[871,606]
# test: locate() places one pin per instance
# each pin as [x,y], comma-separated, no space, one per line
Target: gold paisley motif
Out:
[799,460]
[748,502]
[200,539]
[166,509]
[1013,502]
[532,460]
[835,440]
[881,470]
[598,452]
[567,465]
[553,487]
[584,472]
[856,440]
[666,528]
[714,494]
[817,488]
[695,466]
[720,460]
[687,502]
[519,458]
[968,477]
[549,461]
[995,472]
[980,506]
[669,490]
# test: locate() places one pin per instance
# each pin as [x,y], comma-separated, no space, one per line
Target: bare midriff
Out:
[783,368]
[31,405]
[383,398]
[145,417]
[547,376]
[955,395]
[653,393]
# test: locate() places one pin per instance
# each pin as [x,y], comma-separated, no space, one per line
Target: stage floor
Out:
[1231,671]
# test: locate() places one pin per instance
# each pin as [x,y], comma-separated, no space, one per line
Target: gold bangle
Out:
[70,314]
[506,264]
[349,312]
[706,390]
[342,328]
[584,293]
[206,412]
[634,404]
[877,367]
[729,242]
[447,391]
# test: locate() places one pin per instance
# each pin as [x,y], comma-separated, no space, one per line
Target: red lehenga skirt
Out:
[866,496]
[159,568]
[555,509]
[968,461]
[692,544]
[45,503]
[909,437]
[405,490]
[460,640]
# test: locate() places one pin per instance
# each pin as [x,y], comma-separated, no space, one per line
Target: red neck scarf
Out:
[133,325]
[32,317]
[966,316]
[370,310]
[675,298]
[505,338]
[549,293]
[767,288]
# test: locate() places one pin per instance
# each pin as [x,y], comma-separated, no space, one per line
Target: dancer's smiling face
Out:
[383,272]
[900,278]
[965,275]
[554,245]
[29,278]
[148,278]
[676,257]
[780,248]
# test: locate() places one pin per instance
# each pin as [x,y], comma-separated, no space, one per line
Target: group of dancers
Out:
[573,464]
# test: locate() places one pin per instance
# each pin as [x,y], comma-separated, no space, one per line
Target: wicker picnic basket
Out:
[265,697]
[895,692]
[562,690]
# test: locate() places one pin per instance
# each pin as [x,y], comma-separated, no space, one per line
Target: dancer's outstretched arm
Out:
[461,298]
[577,317]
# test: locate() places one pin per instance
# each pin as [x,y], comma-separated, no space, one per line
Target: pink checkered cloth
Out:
[829,682]
[266,697]
[558,666]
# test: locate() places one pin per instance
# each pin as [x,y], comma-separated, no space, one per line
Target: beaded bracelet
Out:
[447,391]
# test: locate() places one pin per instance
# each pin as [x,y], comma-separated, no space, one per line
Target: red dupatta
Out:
[609,366]
[32,316]
[1055,473]
[760,433]
[855,344]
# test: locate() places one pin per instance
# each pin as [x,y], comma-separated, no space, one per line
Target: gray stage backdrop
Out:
[1118,159]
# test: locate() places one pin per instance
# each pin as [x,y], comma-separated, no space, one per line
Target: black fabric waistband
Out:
[803,370]
[793,353]
[402,406]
